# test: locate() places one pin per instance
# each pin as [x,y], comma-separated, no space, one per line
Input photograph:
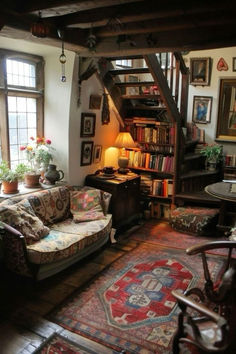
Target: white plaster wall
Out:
[212,90]
[57,95]
[105,135]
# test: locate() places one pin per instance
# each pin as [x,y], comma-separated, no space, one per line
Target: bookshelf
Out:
[153,159]
[230,166]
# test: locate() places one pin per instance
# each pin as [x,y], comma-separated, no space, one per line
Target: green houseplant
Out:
[213,154]
[10,178]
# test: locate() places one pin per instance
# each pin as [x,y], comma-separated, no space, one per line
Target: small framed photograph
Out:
[87,128]
[86,153]
[200,71]
[95,101]
[234,64]
[202,109]
[97,153]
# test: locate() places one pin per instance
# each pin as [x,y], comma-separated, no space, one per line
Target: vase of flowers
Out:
[39,153]
[213,154]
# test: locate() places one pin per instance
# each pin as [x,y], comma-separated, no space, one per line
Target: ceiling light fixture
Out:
[39,28]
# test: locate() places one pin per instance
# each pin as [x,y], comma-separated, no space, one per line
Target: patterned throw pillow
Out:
[51,205]
[86,205]
[105,196]
[21,216]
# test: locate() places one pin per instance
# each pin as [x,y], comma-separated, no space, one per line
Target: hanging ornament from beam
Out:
[105,109]
[62,57]
[91,41]
[39,28]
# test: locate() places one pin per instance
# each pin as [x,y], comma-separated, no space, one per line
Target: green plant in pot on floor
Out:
[213,154]
[11,177]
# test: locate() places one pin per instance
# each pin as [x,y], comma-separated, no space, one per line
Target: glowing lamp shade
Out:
[124,141]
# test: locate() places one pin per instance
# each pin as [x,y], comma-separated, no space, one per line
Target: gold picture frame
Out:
[200,69]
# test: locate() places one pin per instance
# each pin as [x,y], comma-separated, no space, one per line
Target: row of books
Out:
[167,149]
[158,135]
[162,187]
[160,210]
[230,160]
[160,163]
[195,133]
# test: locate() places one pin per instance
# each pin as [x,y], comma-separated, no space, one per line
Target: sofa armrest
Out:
[15,251]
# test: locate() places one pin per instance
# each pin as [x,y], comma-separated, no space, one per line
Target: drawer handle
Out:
[126,187]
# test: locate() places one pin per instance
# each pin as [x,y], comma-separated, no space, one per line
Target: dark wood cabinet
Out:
[125,190]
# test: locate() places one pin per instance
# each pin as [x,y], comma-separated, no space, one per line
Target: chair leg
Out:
[178,334]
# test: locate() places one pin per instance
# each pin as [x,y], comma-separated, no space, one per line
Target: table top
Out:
[222,190]
[115,178]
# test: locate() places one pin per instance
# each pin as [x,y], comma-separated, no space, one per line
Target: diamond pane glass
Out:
[21,104]
[20,73]
[31,105]
[11,104]
[32,122]
[22,136]
[14,152]
[13,136]
[12,121]
[22,120]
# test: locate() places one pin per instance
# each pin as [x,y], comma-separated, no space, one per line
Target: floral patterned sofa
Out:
[42,235]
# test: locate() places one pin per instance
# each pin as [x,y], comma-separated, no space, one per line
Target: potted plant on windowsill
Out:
[10,178]
[39,155]
[213,154]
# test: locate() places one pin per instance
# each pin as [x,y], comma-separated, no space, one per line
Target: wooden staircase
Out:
[190,176]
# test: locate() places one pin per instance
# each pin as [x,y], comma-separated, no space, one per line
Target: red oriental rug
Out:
[129,306]
[161,233]
[60,345]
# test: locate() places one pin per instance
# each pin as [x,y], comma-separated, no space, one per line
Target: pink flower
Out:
[22,148]
[32,138]
[48,141]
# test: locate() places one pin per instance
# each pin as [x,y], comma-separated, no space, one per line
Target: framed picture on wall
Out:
[234,64]
[95,101]
[97,153]
[200,71]
[86,153]
[87,128]
[226,122]
[202,109]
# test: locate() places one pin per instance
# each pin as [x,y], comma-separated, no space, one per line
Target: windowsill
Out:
[23,190]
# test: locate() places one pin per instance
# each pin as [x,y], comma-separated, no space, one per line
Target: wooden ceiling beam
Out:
[178,40]
[60,7]
[173,23]
[139,12]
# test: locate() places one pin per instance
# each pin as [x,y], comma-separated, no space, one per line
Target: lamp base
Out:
[123,171]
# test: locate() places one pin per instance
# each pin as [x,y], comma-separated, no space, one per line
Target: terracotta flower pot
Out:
[32,180]
[10,187]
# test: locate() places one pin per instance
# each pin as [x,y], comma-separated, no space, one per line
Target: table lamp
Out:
[124,141]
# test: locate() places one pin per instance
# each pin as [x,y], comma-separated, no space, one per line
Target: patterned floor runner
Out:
[129,306]
[161,233]
[60,345]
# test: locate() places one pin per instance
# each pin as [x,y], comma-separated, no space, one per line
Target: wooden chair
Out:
[207,316]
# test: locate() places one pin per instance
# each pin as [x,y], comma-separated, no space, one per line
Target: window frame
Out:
[19,91]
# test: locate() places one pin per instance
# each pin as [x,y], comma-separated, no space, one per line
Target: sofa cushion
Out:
[105,196]
[86,205]
[66,238]
[21,216]
[51,205]
[194,220]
